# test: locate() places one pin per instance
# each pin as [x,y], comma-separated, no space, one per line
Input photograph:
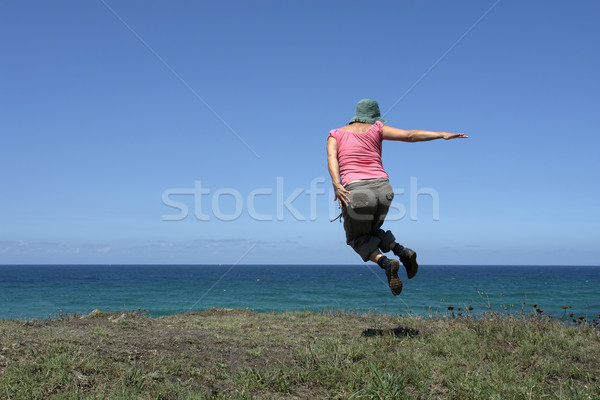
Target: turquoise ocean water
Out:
[41,291]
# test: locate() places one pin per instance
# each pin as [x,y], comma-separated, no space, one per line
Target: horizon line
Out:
[295,264]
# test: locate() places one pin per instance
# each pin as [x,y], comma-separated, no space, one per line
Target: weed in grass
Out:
[134,379]
[255,352]
[98,331]
[383,384]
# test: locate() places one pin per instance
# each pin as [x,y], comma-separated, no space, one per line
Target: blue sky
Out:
[109,109]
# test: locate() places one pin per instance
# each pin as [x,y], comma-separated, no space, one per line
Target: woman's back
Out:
[358,148]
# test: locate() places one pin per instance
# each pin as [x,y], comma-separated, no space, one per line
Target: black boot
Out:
[408,258]
[391,271]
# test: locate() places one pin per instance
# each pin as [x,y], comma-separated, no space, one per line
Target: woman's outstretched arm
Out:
[390,133]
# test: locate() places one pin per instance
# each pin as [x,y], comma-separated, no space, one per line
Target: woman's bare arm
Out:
[390,133]
[341,194]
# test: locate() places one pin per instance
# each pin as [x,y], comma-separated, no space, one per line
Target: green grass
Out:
[238,354]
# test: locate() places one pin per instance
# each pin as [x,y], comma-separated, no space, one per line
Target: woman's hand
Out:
[341,194]
[449,136]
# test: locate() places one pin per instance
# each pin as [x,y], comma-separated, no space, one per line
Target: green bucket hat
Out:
[367,111]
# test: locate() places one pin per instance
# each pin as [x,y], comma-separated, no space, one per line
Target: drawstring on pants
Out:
[338,217]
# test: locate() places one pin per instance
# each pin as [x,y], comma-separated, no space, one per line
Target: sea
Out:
[51,291]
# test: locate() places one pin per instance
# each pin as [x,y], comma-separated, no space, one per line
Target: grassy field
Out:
[239,354]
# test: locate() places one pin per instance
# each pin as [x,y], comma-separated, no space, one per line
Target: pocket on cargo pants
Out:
[363,204]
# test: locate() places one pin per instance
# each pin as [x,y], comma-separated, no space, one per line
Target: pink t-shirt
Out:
[359,154]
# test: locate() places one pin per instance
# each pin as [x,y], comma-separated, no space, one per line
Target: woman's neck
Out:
[357,127]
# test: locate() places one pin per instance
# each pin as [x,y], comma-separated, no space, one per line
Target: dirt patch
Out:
[397,332]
